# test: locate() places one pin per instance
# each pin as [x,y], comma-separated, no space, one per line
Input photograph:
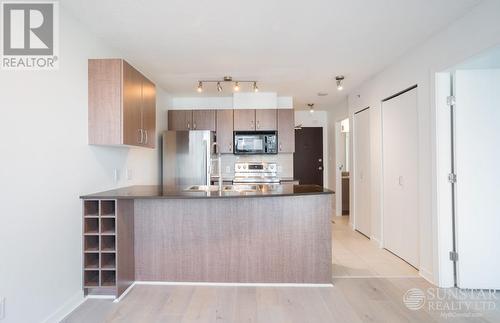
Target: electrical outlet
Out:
[2,308]
[128,174]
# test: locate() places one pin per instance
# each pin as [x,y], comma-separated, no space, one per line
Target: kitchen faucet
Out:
[215,146]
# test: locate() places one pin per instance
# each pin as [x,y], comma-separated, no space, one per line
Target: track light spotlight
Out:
[311,107]
[200,87]
[255,88]
[219,87]
[237,86]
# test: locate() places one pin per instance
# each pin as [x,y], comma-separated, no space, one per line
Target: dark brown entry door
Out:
[308,157]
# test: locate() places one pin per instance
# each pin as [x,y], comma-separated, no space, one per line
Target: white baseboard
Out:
[427,275]
[229,284]
[71,304]
[124,293]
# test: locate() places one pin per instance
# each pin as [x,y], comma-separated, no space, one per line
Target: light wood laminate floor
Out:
[354,255]
[369,284]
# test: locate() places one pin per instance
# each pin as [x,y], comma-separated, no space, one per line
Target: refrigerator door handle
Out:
[207,161]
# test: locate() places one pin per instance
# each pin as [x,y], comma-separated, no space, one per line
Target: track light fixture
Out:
[226,79]
[340,82]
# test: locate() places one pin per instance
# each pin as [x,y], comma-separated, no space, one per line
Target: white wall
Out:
[471,34]
[46,165]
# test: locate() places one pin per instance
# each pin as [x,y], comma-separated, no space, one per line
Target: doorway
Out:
[342,151]
[308,157]
[467,134]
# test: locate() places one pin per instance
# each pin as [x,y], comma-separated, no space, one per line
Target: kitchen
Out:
[228,207]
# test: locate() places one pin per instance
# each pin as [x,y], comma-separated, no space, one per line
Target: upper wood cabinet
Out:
[225,131]
[265,120]
[204,120]
[191,120]
[251,120]
[244,120]
[286,131]
[180,119]
[122,104]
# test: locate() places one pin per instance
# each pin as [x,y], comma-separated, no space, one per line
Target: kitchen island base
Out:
[236,240]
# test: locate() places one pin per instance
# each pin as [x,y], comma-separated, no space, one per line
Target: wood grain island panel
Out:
[284,239]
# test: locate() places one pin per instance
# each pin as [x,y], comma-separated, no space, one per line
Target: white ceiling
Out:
[291,47]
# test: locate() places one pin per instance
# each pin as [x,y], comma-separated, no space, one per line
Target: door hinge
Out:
[453,256]
[452,178]
[450,100]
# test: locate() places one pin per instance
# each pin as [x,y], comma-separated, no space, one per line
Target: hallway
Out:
[354,255]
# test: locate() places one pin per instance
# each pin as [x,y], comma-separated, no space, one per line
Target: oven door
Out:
[249,144]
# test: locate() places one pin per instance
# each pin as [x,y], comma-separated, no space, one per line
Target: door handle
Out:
[189,126]
[141,136]
[320,168]
[230,147]
[258,124]
[320,160]
[194,125]
[281,146]
[146,137]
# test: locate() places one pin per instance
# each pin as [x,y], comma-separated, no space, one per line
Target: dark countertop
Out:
[160,192]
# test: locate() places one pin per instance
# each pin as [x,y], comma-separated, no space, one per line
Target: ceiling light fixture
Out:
[311,107]
[228,79]
[340,82]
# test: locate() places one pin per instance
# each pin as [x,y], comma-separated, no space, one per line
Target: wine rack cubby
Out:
[99,246]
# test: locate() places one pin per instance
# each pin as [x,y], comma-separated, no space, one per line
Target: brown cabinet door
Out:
[204,120]
[244,120]
[132,101]
[286,132]
[225,131]
[265,119]
[180,120]
[149,112]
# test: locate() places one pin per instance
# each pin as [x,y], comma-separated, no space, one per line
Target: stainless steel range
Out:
[256,173]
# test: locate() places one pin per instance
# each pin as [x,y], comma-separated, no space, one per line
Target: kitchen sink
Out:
[202,188]
[225,188]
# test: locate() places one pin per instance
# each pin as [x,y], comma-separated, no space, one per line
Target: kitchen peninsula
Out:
[231,234]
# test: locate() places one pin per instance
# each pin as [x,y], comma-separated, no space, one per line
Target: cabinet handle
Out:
[141,136]
[230,147]
[189,126]
[194,125]
[258,125]
[281,147]
[146,137]
[251,124]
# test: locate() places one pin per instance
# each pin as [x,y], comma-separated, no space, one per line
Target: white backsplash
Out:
[284,162]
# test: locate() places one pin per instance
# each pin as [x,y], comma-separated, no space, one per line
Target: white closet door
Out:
[477,167]
[362,215]
[400,183]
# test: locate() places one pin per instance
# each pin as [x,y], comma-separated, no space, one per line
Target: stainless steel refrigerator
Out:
[187,157]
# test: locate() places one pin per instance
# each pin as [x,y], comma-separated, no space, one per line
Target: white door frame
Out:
[338,172]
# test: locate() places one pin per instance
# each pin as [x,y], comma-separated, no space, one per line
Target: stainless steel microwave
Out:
[255,142]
